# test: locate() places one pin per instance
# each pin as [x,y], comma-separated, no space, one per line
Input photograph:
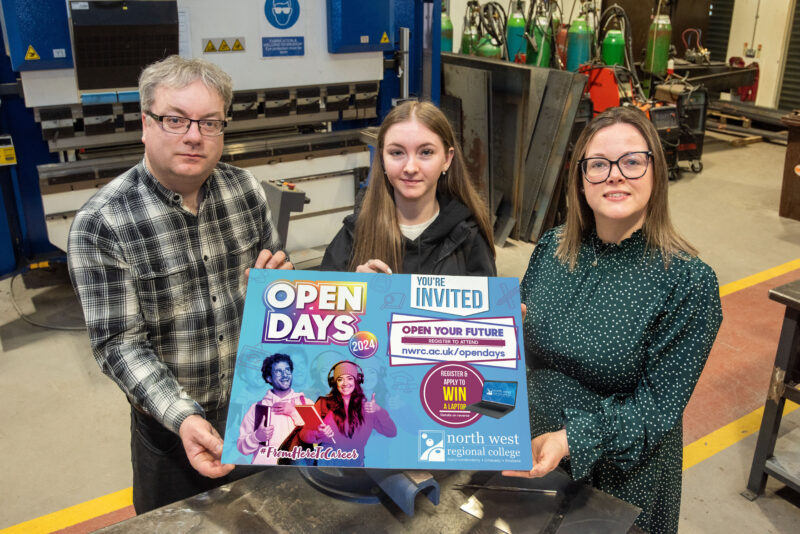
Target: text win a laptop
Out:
[497,399]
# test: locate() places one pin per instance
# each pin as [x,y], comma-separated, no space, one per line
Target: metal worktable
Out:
[281,499]
[767,461]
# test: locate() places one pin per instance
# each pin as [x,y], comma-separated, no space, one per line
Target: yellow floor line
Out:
[693,454]
[74,514]
[722,438]
[757,278]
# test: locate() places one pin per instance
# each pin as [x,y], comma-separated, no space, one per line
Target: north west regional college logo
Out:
[282,13]
[431,446]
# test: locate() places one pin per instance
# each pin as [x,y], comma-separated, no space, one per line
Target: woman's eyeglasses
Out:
[632,166]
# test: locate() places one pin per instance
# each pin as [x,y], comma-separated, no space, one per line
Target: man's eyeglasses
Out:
[181,125]
[632,165]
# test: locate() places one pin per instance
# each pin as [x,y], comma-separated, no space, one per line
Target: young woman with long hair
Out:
[621,316]
[421,213]
[348,418]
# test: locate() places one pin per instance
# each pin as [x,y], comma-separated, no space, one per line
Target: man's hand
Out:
[203,446]
[283,408]
[268,260]
[264,433]
[548,450]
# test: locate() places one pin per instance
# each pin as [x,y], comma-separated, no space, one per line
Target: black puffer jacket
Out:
[451,245]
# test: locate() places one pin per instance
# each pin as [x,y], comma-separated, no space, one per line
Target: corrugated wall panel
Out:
[719,28]
[790,88]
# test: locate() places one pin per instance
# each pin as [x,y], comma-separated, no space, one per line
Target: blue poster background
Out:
[408,393]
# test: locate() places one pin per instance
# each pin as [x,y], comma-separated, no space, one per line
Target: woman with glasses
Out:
[621,316]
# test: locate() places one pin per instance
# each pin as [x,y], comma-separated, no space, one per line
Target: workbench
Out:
[282,499]
[767,460]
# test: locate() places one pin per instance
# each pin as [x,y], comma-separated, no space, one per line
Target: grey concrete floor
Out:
[64,427]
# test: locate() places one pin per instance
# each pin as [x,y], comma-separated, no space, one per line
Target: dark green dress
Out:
[614,351]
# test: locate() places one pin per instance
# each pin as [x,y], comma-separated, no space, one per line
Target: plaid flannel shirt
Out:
[163,290]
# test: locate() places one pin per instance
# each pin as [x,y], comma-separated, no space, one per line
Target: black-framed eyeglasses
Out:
[181,125]
[632,165]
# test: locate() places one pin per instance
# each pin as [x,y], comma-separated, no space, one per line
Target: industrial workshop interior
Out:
[717,81]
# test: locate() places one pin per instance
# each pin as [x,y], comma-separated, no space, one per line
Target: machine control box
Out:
[36,34]
[358,26]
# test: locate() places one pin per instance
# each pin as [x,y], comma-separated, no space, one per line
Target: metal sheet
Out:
[473,88]
[555,161]
[280,500]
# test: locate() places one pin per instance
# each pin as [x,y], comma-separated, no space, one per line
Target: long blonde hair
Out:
[377,233]
[657,228]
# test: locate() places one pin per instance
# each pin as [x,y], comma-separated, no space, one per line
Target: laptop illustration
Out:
[497,399]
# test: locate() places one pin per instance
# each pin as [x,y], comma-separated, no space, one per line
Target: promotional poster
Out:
[380,371]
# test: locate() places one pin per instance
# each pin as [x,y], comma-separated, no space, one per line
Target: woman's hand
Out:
[371,406]
[548,450]
[373,266]
[524,310]
[325,430]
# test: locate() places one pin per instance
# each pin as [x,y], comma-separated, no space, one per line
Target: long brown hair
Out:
[377,233]
[657,228]
[347,420]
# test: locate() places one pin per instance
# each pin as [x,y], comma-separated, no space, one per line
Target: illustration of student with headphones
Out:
[348,417]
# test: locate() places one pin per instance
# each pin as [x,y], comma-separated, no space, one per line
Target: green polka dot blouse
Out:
[614,351]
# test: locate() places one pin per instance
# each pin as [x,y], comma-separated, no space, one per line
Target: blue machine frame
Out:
[23,236]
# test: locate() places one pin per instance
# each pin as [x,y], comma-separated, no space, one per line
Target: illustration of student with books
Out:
[348,418]
[269,421]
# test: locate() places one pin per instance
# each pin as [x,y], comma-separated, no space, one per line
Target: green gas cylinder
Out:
[447,32]
[488,47]
[542,35]
[579,42]
[469,40]
[658,39]
[614,48]
[515,34]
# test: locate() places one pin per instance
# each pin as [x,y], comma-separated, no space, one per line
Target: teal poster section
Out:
[404,372]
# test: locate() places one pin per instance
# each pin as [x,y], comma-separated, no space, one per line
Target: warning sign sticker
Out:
[385,38]
[31,54]
[8,156]
[223,45]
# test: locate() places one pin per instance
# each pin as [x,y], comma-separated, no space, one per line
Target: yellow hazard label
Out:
[210,47]
[31,54]
[385,38]
[223,46]
[8,156]
[238,45]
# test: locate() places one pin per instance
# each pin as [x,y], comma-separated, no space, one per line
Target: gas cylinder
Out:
[614,48]
[469,40]
[488,47]
[579,41]
[515,31]
[561,44]
[658,39]
[542,35]
[447,31]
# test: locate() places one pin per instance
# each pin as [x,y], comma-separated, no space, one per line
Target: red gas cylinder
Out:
[561,44]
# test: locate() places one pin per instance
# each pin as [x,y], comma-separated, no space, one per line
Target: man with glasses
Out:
[159,258]
[270,421]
